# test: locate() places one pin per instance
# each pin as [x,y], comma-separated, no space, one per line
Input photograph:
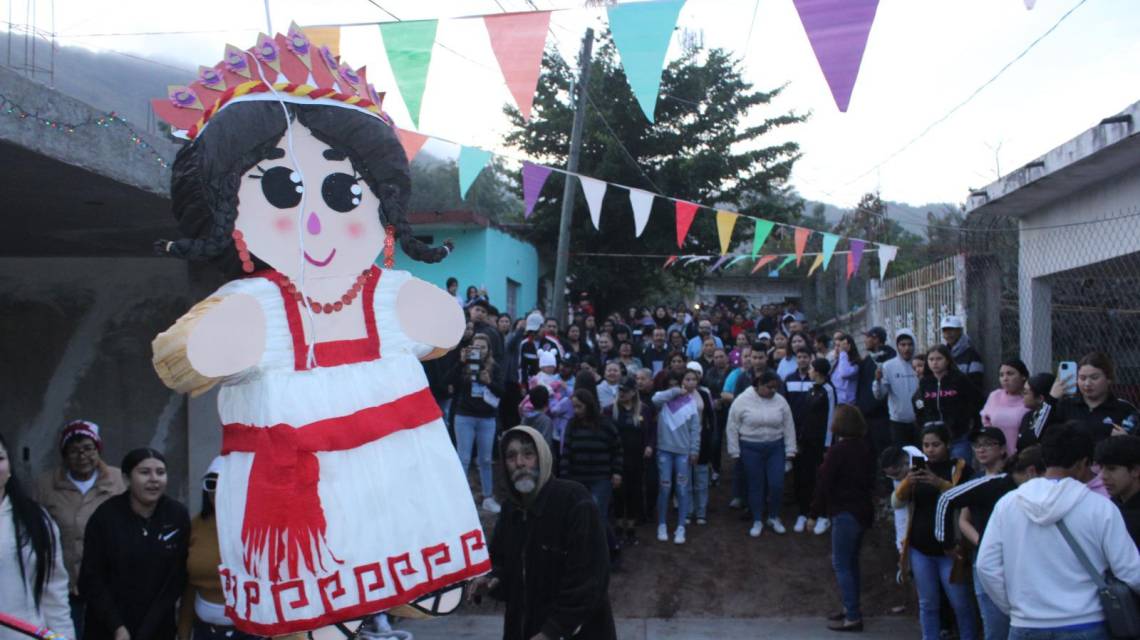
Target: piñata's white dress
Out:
[339,494]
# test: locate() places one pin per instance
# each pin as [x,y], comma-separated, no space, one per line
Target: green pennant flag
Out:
[763,228]
[775,273]
[408,45]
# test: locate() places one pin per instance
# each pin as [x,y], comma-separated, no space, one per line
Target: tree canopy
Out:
[707,145]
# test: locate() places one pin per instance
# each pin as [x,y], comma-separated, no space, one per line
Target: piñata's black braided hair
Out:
[207,173]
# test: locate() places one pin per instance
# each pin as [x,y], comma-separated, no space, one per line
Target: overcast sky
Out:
[923,57]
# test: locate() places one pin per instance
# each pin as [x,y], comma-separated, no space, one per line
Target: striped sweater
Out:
[591,452]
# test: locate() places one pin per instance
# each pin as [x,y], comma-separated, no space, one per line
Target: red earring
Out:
[389,246]
[243,252]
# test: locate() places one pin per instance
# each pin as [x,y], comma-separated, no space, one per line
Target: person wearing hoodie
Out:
[678,448]
[1027,567]
[965,356]
[845,372]
[813,437]
[549,561]
[945,396]
[896,382]
[762,435]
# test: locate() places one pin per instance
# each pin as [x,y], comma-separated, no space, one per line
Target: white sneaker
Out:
[679,536]
[777,526]
[821,526]
[735,503]
[490,505]
[757,527]
[801,524]
[662,533]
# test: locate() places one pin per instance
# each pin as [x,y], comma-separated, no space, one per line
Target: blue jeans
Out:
[963,450]
[601,490]
[846,540]
[470,430]
[670,466]
[1098,632]
[995,624]
[764,475]
[700,506]
[930,573]
[78,611]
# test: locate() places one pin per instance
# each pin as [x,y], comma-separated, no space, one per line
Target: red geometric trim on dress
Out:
[355,611]
[284,519]
[336,352]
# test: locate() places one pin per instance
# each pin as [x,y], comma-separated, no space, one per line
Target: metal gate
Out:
[920,299]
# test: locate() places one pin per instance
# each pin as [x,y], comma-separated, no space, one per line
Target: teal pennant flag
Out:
[829,242]
[408,45]
[472,161]
[642,32]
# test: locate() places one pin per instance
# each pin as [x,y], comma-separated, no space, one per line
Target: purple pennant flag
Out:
[855,257]
[837,30]
[718,263]
[534,176]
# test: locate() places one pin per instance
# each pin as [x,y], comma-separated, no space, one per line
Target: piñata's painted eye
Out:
[281,185]
[341,192]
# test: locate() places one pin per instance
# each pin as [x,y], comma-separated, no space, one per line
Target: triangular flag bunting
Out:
[720,261]
[593,190]
[816,264]
[686,211]
[472,160]
[735,260]
[518,40]
[408,45]
[1029,4]
[695,259]
[837,30]
[775,273]
[761,262]
[801,239]
[670,262]
[642,32]
[855,257]
[829,242]
[725,222]
[533,177]
[763,229]
[887,254]
[642,202]
[411,141]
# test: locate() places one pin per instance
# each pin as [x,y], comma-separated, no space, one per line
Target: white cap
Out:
[534,321]
[215,467]
[547,359]
[905,331]
[952,322]
[763,334]
[696,366]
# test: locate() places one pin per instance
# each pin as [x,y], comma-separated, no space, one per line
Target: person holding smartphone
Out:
[480,389]
[1094,405]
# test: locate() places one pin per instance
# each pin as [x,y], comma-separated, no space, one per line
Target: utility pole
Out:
[562,257]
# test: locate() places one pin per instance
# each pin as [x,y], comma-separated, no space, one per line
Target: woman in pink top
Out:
[1004,408]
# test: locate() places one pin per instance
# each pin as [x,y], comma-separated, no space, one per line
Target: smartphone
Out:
[1067,371]
[918,464]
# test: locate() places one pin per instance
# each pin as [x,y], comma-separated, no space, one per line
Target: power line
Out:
[377,5]
[621,145]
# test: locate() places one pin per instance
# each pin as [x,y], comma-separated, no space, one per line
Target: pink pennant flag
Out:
[686,211]
[854,257]
[411,141]
[533,177]
[518,40]
[801,238]
[763,261]
[837,30]
[670,262]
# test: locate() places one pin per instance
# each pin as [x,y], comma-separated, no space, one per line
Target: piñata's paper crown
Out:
[287,68]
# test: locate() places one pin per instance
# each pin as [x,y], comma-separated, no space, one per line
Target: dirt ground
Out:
[721,572]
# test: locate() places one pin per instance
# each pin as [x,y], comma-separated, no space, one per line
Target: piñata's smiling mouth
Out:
[320,263]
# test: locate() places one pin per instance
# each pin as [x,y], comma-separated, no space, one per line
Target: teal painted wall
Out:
[484,258]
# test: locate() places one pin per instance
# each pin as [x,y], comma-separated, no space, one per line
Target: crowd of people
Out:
[639,408]
[1008,504]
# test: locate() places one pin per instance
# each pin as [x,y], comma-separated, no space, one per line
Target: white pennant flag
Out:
[887,253]
[642,202]
[594,190]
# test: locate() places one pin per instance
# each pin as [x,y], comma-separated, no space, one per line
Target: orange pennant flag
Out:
[518,40]
[326,37]
[763,261]
[411,141]
[802,236]
[725,222]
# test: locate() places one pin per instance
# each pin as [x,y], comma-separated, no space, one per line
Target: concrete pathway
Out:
[491,627]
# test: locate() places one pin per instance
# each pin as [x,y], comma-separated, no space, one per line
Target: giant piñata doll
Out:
[340,495]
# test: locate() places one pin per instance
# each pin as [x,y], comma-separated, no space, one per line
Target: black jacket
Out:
[872,407]
[591,452]
[1099,421]
[708,427]
[815,421]
[552,560]
[953,400]
[134,569]
[470,393]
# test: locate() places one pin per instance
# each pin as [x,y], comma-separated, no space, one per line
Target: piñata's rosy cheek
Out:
[284,224]
[355,230]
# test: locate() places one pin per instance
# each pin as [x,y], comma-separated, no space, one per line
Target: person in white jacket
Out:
[1024,562]
[896,381]
[33,582]
[762,435]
